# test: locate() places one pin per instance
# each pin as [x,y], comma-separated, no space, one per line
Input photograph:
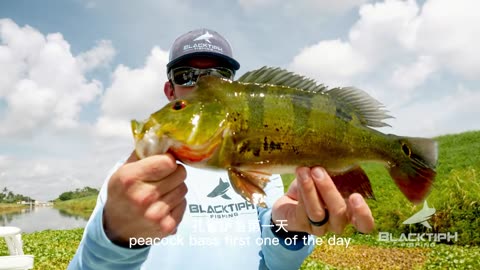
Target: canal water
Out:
[42,218]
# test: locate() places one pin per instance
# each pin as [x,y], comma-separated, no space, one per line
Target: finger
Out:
[292,191]
[361,214]
[143,194]
[161,208]
[177,212]
[171,182]
[333,199]
[170,222]
[304,223]
[312,202]
[152,168]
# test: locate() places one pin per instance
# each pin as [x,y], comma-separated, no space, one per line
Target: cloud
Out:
[451,113]
[407,77]
[99,56]
[395,49]
[46,178]
[44,84]
[299,6]
[398,33]
[450,32]
[134,93]
[331,62]
[385,31]
[382,33]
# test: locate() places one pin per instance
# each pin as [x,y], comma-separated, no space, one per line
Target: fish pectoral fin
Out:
[249,185]
[353,181]
[225,196]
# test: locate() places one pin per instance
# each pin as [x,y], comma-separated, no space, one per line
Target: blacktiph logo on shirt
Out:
[226,207]
[220,190]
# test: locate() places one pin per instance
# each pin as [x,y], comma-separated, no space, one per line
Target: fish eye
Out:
[179,104]
[406,149]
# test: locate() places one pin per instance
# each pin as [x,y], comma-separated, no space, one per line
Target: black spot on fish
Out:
[275,146]
[342,114]
[265,126]
[265,144]
[244,147]
[256,152]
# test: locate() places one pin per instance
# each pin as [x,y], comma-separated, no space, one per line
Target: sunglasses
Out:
[188,76]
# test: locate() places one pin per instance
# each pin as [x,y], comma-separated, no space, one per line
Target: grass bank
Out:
[366,252]
[11,207]
[81,207]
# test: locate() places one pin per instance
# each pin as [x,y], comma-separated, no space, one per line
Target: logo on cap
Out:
[205,37]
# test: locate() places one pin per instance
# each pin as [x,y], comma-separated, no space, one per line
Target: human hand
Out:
[309,195]
[146,198]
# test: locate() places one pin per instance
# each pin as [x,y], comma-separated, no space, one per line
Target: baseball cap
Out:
[201,42]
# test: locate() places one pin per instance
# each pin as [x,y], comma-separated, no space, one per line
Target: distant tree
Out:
[66,196]
[78,193]
[7,196]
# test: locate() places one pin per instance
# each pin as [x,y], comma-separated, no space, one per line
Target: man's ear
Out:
[169,90]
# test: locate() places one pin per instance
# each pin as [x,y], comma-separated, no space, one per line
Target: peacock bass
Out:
[271,121]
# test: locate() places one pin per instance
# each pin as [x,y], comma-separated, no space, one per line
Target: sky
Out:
[75,72]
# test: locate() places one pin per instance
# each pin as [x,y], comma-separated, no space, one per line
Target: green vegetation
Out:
[81,207]
[78,193]
[7,196]
[456,197]
[53,249]
[366,252]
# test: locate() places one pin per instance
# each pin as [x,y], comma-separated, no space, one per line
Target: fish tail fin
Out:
[413,166]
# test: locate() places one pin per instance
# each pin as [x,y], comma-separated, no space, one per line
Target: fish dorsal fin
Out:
[278,76]
[368,110]
[353,101]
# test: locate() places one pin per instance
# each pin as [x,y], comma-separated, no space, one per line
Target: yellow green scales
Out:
[271,121]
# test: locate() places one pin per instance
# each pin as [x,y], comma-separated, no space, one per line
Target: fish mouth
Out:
[150,144]
[199,153]
[153,144]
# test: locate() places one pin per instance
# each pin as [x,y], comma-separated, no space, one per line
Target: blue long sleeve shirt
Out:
[219,230]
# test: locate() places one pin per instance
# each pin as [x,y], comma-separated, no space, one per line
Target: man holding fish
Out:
[238,215]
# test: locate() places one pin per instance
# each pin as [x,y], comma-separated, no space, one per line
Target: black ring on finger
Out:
[321,222]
